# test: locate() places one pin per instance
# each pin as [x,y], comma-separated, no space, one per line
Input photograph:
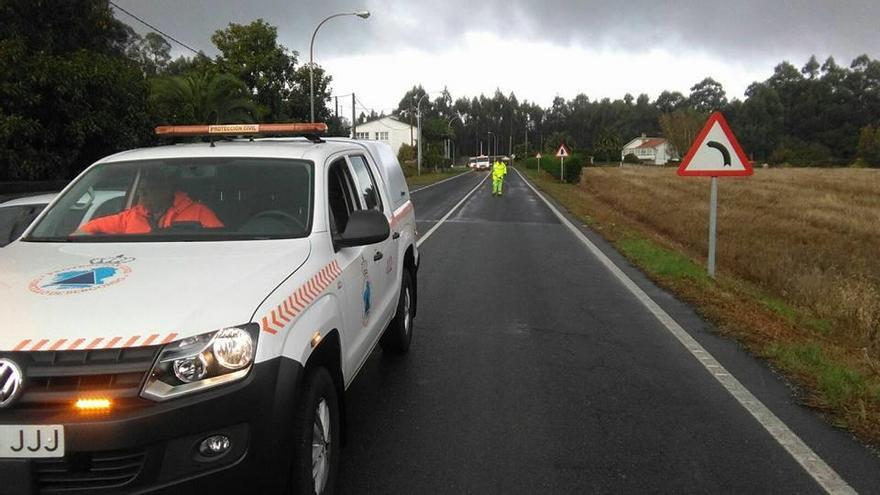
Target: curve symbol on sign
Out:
[723,149]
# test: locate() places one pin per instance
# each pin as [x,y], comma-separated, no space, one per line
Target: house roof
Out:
[651,143]
[390,117]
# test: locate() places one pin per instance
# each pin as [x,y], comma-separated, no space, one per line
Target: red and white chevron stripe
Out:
[398,214]
[300,299]
[94,343]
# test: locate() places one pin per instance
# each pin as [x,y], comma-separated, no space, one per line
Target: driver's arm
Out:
[111,224]
[208,219]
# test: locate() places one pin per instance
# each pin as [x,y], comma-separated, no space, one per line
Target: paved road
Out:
[534,370]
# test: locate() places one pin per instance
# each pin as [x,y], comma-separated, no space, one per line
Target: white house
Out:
[389,130]
[654,151]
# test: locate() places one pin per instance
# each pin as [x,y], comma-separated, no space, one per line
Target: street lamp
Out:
[363,14]
[449,124]
[419,123]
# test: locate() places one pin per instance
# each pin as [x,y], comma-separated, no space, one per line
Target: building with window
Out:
[650,150]
[388,130]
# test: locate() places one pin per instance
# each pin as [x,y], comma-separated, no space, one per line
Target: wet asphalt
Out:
[533,370]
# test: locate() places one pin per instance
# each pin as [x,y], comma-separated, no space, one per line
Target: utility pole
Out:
[336,101]
[353,119]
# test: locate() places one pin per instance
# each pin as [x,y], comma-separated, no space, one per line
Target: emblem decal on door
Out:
[367,292]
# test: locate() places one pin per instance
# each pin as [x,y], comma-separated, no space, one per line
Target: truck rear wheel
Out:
[398,335]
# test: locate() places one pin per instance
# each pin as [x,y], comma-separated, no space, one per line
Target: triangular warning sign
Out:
[715,152]
[562,152]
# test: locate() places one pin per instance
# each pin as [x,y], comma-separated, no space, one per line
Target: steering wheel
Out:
[278,213]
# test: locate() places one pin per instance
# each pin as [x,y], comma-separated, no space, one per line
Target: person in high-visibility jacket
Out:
[159,207]
[499,170]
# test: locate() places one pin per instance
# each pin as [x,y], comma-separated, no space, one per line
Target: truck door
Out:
[382,255]
[359,270]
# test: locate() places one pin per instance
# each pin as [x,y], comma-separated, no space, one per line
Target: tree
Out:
[406,108]
[557,138]
[869,146]
[707,95]
[297,106]
[151,52]
[607,146]
[681,127]
[183,65]
[811,68]
[68,93]
[204,98]
[759,124]
[60,28]
[668,102]
[251,53]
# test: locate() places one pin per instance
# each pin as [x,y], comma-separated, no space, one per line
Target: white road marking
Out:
[821,472]
[439,182]
[449,213]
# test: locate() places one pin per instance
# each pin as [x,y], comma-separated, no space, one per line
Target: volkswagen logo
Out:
[10,382]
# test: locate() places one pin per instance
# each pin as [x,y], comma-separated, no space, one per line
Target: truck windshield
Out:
[194,199]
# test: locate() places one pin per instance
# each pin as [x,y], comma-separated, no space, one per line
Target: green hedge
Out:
[552,165]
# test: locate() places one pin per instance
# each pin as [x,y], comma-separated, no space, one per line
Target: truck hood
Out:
[72,296]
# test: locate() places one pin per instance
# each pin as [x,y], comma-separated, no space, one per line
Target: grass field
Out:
[428,176]
[798,263]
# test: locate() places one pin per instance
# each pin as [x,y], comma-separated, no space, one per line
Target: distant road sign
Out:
[562,152]
[538,156]
[715,152]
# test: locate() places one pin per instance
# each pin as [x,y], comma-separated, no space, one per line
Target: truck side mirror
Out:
[364,227]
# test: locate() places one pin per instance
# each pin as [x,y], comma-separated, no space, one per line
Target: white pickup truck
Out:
[196,331]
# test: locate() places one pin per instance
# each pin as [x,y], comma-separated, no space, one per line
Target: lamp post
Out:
[449,123]
[363,14]
[419,123]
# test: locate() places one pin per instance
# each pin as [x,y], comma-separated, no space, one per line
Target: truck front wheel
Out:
[317,438]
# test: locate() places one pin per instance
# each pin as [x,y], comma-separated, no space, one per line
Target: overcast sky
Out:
[538,49]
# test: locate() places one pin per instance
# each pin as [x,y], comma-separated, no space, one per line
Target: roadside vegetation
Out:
[798,272]
[77,83]
[429,176]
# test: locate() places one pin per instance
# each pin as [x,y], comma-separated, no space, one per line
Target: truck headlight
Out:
[202,362]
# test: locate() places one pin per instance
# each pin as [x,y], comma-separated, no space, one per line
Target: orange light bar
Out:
[240,129]
[93,405]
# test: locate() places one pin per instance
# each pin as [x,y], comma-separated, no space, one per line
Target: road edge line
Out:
[817,468]
[440,182]
[437,225]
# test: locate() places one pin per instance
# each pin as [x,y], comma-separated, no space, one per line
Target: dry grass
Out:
[807,236]
[798,262]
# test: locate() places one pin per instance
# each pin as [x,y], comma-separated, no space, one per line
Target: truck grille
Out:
[59,378]
[88,472]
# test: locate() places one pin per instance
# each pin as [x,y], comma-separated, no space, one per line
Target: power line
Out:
[154,28]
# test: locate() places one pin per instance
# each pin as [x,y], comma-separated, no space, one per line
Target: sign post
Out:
[562,152]
[538,156]
[713,225]
[715,153]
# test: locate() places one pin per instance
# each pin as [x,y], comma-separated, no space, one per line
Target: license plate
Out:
[18,442]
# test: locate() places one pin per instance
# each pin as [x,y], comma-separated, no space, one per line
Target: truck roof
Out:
[300,148]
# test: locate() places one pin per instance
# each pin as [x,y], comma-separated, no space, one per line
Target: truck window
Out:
[340,195]
[367,190]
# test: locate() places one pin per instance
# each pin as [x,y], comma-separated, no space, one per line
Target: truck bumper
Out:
[154,447]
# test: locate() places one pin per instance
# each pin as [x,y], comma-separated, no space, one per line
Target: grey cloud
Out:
[741,31]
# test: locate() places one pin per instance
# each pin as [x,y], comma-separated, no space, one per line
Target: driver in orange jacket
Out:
[157,208]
